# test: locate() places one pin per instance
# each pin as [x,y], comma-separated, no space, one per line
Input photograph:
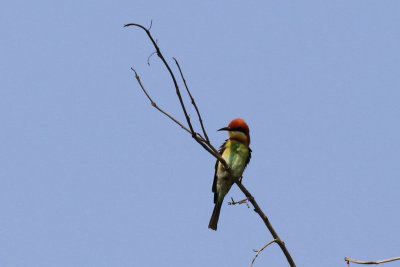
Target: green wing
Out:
[214,186]
[248,159]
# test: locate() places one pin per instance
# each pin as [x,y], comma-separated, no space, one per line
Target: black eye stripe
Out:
[242,130]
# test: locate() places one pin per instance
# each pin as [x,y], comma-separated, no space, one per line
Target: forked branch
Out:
[160,55]
[193,102]
[243,201]
[204,141]
[261,249]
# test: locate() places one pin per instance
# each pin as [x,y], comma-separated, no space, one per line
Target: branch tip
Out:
[134,71]
[148,59]
[348,260]
[261,249]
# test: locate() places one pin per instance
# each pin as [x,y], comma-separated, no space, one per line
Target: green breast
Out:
[236,154]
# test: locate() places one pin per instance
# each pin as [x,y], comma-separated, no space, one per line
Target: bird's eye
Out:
[241,129]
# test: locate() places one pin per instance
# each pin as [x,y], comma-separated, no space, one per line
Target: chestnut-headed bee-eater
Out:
[236,152]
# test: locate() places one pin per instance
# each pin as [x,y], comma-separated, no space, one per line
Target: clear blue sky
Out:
[92,175]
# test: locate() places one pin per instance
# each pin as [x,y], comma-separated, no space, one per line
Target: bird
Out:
[237,153]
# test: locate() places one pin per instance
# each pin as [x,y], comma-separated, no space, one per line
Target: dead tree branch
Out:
[192,100]
[160,55]
[155,105]
[204,142]
[243,201]
[206,145]
[148,58]
[369,262]
[261,249]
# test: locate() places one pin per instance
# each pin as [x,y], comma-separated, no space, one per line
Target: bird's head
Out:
[238,130]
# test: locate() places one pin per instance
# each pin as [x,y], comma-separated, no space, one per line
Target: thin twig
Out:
[369,262]
[155,105]
[192,100]
[233,202]
[148,59]
[206,141]
[261,249]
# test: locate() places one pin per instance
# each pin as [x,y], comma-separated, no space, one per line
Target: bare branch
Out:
[258,210]
[192,100]
[199,139]
[148,59]
[203,142]
[233,202]
[369,262]
[160,55]
[261,249]
[206,144]
[155,105]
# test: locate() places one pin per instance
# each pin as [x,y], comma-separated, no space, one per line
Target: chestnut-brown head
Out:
[238,130]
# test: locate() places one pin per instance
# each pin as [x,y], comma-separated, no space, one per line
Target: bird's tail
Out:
[215,216]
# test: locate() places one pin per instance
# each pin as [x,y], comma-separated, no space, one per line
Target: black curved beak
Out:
[224,129]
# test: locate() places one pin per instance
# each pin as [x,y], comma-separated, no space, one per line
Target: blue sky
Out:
[92,175]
